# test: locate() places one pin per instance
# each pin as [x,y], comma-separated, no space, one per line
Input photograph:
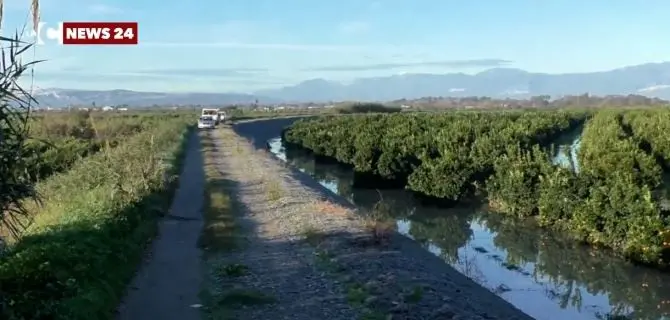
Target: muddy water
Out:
[541,273]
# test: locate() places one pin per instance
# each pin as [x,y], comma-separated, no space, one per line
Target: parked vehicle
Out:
[206,122]
[213,113]
[222,116]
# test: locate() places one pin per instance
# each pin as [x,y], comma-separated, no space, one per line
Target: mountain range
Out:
[652,79]
[58,98]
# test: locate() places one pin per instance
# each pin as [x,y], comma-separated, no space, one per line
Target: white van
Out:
[212,113]
[206,122]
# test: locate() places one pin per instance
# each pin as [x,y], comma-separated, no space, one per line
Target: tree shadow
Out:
[79,268]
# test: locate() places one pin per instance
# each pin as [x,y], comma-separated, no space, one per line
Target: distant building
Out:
[107,108]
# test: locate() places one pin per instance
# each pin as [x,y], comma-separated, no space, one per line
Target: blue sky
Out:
[246,45]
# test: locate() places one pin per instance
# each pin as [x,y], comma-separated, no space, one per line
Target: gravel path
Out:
[272,210]
[168,283]
[320,259]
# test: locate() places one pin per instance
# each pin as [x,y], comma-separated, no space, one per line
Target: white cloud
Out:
[264,46]
[655,88]
[103,9]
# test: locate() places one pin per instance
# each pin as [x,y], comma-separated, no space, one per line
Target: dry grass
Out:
[219,231]
[222,294]
[273,189]
[379,224]
[327,207]
[239,149]
[380,230]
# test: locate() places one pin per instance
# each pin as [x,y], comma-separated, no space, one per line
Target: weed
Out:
[219,230]
[220,235]
[105,204]
[415,295]
[238,148]
[233,270]
[356,294]
[312,235]
[273,190]
[375,315]
[327,207]
[378,224]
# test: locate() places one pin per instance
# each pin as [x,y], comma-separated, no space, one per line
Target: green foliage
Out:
[440,155]
[15,108]
[612,201]
[608,203]
[367,108]
[58,140]
[46,158]
[513,188]
[88,238]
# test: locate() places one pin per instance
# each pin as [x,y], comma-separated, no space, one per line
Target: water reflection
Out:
[567,147]
[541,273]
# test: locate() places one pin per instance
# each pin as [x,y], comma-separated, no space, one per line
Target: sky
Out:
[249,45]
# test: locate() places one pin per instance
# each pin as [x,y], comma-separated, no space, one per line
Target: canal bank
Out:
[541,273]
[393,278]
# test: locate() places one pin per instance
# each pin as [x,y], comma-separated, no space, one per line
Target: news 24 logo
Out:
[87,33]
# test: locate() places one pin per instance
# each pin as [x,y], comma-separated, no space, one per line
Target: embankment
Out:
[412,282]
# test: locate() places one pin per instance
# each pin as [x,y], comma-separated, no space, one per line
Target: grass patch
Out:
[415,295]
[273,190]
[313,236]
[233,270]
[327,207]
[358,295]
[379,224]
[239,149]
[219,228]
[221,295]
[88,238]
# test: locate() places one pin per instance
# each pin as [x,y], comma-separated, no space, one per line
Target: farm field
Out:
[103,180]
[614,199]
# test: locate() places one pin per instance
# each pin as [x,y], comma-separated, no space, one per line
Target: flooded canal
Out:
[541,273]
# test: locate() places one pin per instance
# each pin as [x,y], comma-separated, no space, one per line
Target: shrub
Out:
[75,260]
[612,201]
[367,108]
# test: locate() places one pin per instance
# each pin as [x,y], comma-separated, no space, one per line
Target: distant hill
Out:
[63,97]
[652,80]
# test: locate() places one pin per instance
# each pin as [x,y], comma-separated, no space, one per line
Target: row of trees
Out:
[610,202]
[442,156]
[571,269]
[584,100]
